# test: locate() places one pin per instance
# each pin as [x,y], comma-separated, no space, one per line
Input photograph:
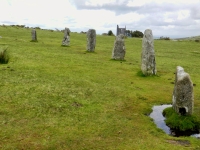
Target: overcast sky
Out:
[172,18]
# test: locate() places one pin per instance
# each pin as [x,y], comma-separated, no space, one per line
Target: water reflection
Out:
[158,118]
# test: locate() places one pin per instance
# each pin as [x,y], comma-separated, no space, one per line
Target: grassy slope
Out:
[65,98]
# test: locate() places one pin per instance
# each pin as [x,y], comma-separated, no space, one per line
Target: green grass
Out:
[54,97]
[181,123]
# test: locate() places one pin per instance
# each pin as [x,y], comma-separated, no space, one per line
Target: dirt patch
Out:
[179,142]
[76,104]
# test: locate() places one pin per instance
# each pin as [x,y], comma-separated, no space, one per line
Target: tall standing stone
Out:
[91,40]
[183,99]
[66,38]
[119,50]
[148,63]
[34,35]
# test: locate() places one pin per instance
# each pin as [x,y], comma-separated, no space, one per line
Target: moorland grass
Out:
[64,98]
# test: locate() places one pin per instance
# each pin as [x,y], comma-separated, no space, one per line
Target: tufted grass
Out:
[4,56]
[181,123]
[54,97]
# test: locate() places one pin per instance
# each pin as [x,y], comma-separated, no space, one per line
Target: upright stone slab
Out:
[66,38]
[148,62]
[91,40]
[34,35]
[119,50]
[182,99]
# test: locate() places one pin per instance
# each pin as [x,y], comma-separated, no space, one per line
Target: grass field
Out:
[54,97]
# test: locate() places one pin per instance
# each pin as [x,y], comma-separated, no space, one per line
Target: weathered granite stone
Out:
[182,99]
[119,50]
[34,35]
[148,63]
[91,40]
[66,38]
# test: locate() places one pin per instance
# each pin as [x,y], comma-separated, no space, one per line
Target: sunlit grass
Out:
[55,97]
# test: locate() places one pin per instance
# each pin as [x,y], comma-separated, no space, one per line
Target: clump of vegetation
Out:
[4,58]
[196,40]
[179,122]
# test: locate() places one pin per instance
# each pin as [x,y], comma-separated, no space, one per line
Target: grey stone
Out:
[34,35]
[148,63]
[66,38]
[183,99]
[119,50]
[91,40]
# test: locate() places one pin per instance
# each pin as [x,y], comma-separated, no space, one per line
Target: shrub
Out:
[196,40]
[4,58]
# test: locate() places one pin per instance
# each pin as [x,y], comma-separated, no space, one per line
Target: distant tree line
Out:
[136,33]
[164,38]
[129,33]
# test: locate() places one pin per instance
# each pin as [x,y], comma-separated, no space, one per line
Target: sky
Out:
[168,18]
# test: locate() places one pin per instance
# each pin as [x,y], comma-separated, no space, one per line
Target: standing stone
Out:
[119,51]
[34,35]
[148,65]
[91,40]
[66,38]
[182,99]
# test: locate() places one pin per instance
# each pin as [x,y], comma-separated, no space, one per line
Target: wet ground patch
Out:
[159,120]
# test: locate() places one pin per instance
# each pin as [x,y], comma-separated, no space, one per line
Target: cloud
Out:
[164,17]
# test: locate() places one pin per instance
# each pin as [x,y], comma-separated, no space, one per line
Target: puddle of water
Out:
[159,120]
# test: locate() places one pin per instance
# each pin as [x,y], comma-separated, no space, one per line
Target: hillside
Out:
[54,97]
[193,38]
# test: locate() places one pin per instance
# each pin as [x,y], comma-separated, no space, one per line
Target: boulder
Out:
[66,38]
[148,62]
[34,35]
[119,50]
[91,40]
[182,99]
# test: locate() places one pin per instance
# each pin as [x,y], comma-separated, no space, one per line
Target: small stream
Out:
[158,118]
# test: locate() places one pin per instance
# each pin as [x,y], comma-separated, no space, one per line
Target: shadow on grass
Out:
[117,60]
[65,46]
[34,41]
[140,74]
[88,52]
